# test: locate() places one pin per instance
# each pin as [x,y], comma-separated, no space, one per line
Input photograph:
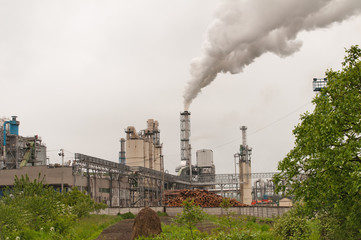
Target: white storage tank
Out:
[204,158]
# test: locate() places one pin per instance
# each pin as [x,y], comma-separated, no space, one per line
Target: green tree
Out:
[323,170]
[190,216]
[80,203]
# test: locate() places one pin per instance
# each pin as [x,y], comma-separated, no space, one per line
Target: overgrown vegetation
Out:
[323,170]
[32,210]
[227,226]
[241,228]
[162,214]
[127,215]
[190,216]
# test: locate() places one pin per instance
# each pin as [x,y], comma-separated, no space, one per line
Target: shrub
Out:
[292,225]
[175,232]
[12,219]
[80,203]
[35,206]
[127,215]
[190,216]
[162,214]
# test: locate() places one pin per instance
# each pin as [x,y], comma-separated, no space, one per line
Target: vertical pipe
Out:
[122,151]
[4,131]
[4,142]
[110,189]
[88,179]
[62,169]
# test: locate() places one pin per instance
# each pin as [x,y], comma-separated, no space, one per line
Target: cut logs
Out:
[201,198]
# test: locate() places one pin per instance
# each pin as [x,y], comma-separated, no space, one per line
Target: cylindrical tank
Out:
[204,158]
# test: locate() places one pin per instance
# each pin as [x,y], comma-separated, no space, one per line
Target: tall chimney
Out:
[185,128]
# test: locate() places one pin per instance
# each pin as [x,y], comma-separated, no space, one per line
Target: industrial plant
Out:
[18,151]
[139,178]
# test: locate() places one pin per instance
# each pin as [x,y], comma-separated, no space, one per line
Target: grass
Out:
[91,227]
[219,228]
[85,228]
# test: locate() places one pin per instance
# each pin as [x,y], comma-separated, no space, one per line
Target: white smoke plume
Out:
[245,29]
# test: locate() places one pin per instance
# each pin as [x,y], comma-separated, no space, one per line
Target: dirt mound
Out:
[147,223]
[201,198]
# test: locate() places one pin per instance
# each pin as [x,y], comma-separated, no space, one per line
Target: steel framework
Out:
[139,186]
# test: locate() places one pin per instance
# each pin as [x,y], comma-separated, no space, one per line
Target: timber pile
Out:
[201,198]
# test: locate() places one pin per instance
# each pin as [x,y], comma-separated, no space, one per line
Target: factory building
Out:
[17,151]
[137,180]
[204,163]
[143,149]
[204,157]
[204,168]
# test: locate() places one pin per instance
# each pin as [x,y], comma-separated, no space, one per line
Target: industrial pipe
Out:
[6,122]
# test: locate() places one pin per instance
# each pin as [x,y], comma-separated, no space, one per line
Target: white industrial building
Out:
[144,148]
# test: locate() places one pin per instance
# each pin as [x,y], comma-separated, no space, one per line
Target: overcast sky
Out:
[77,73]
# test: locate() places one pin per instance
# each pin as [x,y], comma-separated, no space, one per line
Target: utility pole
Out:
[61,153]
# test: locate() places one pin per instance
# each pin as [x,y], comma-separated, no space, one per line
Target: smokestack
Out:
[122,151]
[185,128]
[245,30]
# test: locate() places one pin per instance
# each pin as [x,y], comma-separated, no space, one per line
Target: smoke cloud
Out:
[245,29]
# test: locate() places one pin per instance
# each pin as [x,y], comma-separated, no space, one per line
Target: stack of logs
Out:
[201,198]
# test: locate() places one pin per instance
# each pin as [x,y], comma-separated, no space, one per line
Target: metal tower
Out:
[185,133]
[245,169]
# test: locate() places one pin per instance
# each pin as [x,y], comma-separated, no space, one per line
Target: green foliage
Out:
[81,204]
[127,215]
[32,210]
[244,235]
[296,225]
[162,214]
[292,226]
[252,219]
[38,207]
[323,170]
[90,227]
[268,221]
[225,204]
[190,216]
[12,219]
[175,232]
[227,221]
[242,228]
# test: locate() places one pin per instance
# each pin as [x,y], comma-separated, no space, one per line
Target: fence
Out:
[257,211]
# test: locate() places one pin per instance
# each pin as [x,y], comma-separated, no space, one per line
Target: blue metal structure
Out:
[14,126]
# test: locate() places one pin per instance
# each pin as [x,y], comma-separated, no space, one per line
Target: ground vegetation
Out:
[31,210]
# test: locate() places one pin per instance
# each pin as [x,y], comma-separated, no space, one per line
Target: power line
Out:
[268,125]
[280,119]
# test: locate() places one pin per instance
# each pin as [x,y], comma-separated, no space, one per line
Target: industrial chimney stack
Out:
[185,128]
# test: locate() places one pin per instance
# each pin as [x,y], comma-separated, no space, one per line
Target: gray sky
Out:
[77,73]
